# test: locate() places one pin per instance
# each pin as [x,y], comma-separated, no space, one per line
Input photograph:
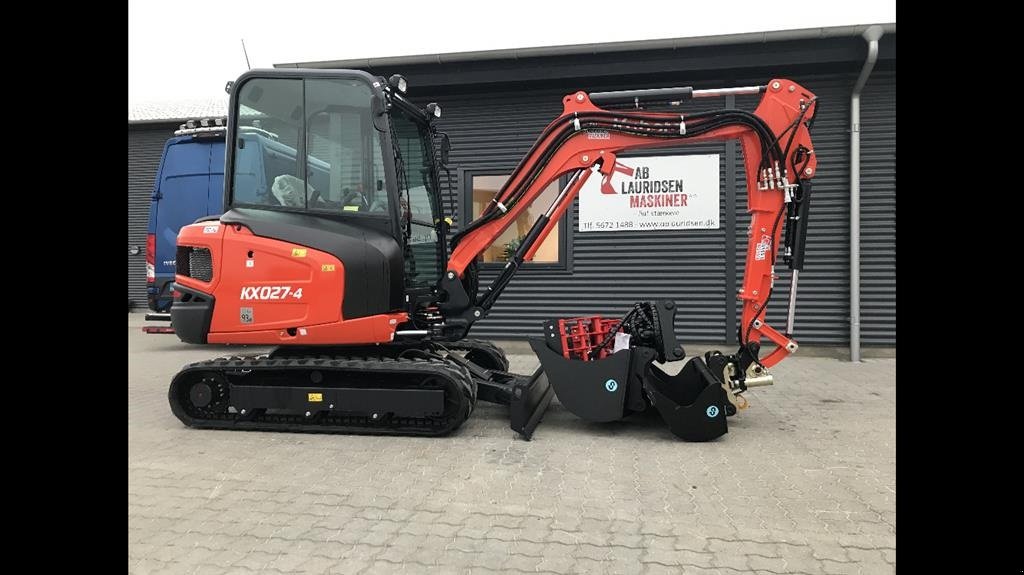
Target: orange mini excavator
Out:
[334,248]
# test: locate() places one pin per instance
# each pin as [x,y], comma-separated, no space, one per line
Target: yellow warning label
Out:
[351,208]
[316,397]
[327,268]
[298,252]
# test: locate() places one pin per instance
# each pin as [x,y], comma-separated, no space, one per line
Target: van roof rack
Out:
[201,126]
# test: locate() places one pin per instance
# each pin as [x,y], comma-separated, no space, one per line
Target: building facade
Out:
[496,103]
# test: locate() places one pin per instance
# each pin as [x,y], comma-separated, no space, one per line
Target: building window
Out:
[483,188]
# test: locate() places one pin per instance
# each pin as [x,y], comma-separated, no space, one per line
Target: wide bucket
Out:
[692,402]
[600,390]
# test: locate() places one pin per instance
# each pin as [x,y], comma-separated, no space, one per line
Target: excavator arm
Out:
[779,160]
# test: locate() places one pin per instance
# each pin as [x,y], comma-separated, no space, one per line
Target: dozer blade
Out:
[530,399]
[527,397]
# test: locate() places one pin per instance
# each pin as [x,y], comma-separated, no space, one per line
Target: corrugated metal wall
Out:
[609,271]
[878,211]
[145,145]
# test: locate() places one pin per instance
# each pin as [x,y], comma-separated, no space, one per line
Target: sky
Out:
[188,49]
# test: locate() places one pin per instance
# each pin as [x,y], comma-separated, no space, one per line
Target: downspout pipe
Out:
[871,35]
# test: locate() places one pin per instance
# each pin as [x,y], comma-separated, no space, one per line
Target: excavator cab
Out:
[332,239]
[343,147]
[342,166]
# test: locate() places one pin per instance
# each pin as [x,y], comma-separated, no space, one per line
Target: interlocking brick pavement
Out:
[804,482]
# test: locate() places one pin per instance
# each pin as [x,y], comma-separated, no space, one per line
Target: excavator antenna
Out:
[246,52]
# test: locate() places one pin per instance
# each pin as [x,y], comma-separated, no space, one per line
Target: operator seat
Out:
[289,191]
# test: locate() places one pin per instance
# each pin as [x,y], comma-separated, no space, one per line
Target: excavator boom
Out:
[778,156]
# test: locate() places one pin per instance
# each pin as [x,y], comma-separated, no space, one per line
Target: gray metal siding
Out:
[145,146]
[878,211]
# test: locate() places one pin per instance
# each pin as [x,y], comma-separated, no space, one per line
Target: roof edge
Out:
[597,48]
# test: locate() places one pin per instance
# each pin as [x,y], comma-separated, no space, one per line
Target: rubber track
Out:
[495,353]
[458,381]
[483,353]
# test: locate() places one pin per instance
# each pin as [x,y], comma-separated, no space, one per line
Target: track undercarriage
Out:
[429,389]
[396,389]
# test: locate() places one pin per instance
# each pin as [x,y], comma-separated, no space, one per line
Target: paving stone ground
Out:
[804,482]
